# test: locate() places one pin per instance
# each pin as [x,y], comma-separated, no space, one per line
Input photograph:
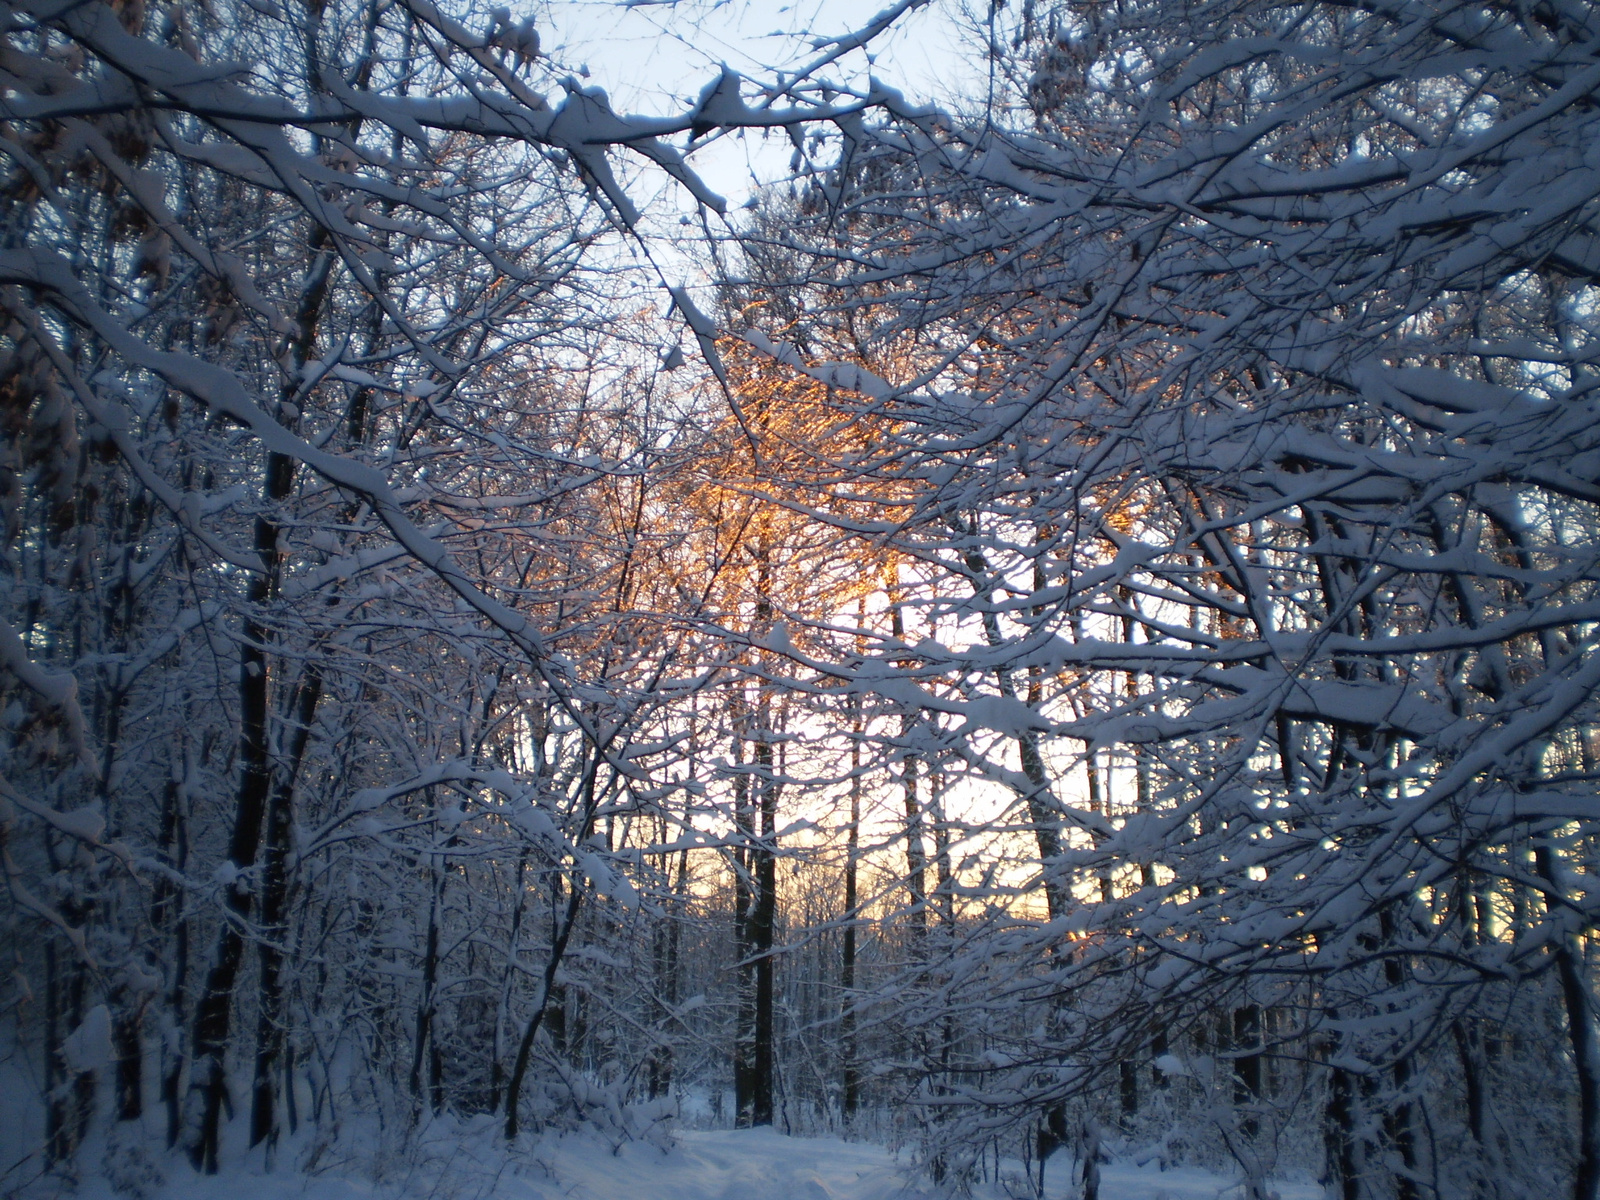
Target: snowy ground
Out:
[764,1165]
[465,1163]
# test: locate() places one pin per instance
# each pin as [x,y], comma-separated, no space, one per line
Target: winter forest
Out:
[1065,629]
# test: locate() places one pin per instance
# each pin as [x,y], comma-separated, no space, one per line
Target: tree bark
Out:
[851,1082]
[274,917]
[208,1084]
[1339,1167]
[519,1070]
[430,977]
[1579,1005]
[214,1010]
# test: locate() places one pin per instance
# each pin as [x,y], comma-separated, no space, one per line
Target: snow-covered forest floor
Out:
[451,1160]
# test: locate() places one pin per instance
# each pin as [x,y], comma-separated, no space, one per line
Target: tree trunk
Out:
[561,936]
[129,1043]
[519,1070]
[916,850]
[763,934]
[213,1013]
[1399,1122]
[168,916]
[851,1082]
[430,976]
[755,1061]
[744,901]
[667,941]
[1247,1065]
[1575,996]
[1339,1149]
[208,1084]
[274,917]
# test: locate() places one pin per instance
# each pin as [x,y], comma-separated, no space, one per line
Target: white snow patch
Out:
[88,1047]
[1123,1181]
[465,1160]
[1171,1064]
[732,1165]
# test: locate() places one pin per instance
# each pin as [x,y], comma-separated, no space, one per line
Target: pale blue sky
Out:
[654,57]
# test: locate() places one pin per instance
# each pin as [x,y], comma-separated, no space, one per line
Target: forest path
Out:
[453,1161]
[744,1164]
[762,1164]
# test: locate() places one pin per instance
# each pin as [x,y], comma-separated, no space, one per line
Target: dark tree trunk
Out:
[213,1013]
[668,942]
[1470,1057]
[1339,1166]
[916,850]
[561,935]
[1247,1062]
[1399,1120]
[128,1038]
[168,915]
[755,1059]
[762,936]
[851,1081]
[1586,1065]
[430,977]
[57,1135]
[519,1070]
[1575,996]
[274,917]
[744,901]
[763,1064]
[764,912]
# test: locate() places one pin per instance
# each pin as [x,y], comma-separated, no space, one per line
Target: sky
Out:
[654,56]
